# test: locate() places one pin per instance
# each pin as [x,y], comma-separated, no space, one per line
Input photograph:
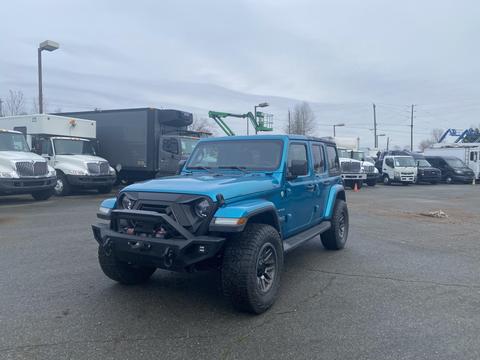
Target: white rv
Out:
[469,153]
[68,146]
[21,171]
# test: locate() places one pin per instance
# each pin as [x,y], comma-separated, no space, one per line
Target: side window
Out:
[46,147]
[318,158]
[473,156]
[297,155]
[332,160]
[170,145]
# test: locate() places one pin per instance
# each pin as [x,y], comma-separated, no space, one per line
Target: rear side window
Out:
[297,152]
[332,160]
[318,158]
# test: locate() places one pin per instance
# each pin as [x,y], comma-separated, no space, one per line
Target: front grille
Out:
[350,166]
[369,169]
[98,168]
[29,168]
[162,209]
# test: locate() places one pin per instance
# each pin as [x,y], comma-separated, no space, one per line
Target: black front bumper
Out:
[177,253]
[92,181]
[26,185]
[466,179]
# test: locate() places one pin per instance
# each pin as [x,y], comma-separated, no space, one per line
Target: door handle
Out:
[327,182]
[311,187]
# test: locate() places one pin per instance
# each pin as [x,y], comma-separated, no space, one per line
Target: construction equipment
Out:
[260,122]
[461,136]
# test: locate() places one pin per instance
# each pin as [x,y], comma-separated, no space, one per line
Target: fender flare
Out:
[336,191]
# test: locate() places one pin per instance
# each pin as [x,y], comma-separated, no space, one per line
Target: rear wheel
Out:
[251,269]
[448,180]
[42,195]
[122,272]
[336,237]
[62,187]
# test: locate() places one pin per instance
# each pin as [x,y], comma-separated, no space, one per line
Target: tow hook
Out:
[168,257]
[140,245]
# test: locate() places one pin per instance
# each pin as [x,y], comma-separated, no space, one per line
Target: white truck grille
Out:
[31,168]
[98,168]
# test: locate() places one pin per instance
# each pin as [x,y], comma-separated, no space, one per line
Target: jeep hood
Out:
[210,185]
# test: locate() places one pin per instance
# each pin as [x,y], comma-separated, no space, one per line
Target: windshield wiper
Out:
[206,168]
[241,168]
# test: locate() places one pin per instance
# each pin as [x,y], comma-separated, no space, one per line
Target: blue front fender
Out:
[109,203]
[245,209]
[332,197]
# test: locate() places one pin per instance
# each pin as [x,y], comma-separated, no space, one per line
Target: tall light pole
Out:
[47,45]
[261,105]
[334,126]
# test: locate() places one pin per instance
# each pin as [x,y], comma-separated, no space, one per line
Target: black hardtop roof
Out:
[441,157]
[117,110]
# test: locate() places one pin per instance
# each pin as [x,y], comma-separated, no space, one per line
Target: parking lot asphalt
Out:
[407,286]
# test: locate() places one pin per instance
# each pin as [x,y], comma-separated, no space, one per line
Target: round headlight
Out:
[202,208]
[127,202]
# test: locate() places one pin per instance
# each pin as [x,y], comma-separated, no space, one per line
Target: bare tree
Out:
[434,138]
[15,103]
[301,120]
[200,125]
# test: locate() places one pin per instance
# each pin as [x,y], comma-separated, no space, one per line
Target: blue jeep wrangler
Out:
[239,204]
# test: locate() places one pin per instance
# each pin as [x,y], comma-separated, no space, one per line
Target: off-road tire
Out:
[336,237]
[122,272]
[386,180]
[66,188]
[241,259]
[107,189]
[42,195]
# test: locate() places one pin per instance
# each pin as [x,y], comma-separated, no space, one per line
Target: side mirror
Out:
[181,164]
[297,168]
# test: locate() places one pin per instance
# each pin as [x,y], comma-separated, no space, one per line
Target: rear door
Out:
[321,178]
[300,191]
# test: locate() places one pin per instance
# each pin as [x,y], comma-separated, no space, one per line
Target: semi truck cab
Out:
[76,163]
[21,171]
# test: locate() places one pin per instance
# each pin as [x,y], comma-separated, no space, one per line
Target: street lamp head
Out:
[48,45]
[341,124]
[264,104]
[381,135]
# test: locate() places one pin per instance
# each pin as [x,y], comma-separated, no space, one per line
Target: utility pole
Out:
[411,129]
[1,108]
[289,123]
[388,141]
[375,126]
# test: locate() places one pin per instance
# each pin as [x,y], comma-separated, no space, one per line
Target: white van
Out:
[399,169]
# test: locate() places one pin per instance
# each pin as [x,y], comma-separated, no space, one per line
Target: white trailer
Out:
[68,144]
[469,153]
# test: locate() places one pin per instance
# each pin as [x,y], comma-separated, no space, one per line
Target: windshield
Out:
[358,155]
[344,153]
[423,163]
[13,142]
[455,163]
[188,145]
[73,147]
[243,154]
[404,161]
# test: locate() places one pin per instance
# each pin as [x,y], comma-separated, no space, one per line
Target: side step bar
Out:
[297,240]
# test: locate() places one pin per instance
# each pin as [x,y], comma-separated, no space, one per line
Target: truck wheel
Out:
[336,237]
[42,195]
[62,187]
[105,189]
[122,272]
[448,180]
[251,269]
[372,182]
[405,183]
[386,180]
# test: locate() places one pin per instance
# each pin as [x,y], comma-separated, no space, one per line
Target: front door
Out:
[169,156]
[299,191]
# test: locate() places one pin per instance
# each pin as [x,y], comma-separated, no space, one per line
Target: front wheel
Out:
[122,272]
[372,182]
[62,187]
[336,237]
[448,180]
[251,269]
[386,180]
[42,195]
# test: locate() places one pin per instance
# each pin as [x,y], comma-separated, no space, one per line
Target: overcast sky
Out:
[340,56]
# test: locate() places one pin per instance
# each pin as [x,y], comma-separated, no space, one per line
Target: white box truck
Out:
[469,153]
[21,171]
[68,144]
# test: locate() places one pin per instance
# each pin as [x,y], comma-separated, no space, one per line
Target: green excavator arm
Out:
[259,123]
